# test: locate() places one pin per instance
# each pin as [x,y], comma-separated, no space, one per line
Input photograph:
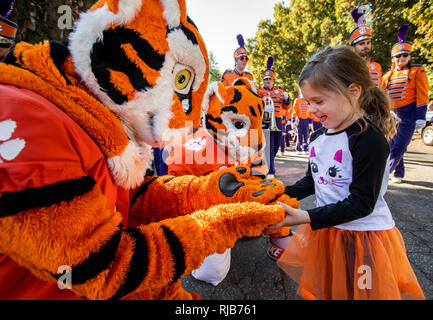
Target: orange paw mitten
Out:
[168,196]
[234,184]
[222,225]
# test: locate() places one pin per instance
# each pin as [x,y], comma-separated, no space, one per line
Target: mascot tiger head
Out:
[233,117]
[146,61]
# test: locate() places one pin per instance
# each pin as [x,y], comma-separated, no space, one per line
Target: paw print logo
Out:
[196,144]
[9,149]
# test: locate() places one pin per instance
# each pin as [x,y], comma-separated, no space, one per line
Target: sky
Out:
[219,21]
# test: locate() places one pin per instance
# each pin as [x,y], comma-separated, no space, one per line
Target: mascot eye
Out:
[239,124]
[182,79]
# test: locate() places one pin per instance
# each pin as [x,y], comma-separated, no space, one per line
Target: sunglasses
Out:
[404,55]
[243,58]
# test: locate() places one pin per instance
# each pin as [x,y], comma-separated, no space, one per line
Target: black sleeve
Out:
[302,188]
[370,152]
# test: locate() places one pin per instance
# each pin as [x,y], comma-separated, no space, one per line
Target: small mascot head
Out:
[233,117]
[146,61]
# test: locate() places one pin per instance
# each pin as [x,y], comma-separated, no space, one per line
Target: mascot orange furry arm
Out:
[76,126]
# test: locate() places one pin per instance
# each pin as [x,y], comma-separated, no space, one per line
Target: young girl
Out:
[348,246]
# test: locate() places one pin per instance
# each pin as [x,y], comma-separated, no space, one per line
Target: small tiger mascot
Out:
[231,132]
[77,122]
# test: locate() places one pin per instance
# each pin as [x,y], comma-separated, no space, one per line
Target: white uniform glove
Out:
[420,124]
[285,95]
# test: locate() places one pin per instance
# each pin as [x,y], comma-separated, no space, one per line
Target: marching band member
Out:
[360,41]
[408,90]
[241,61]
[281,101]
[301,111]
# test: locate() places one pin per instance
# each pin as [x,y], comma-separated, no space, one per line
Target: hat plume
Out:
[6,7]
[241,41]
[358,16]
[402,33]
[270,63]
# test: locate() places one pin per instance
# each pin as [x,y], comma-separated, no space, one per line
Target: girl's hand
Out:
[293,217]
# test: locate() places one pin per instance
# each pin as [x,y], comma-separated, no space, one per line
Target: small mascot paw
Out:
[292,202]
[283,231]
[278,233]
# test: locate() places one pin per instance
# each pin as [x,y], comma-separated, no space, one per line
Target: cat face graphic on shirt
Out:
[333,173]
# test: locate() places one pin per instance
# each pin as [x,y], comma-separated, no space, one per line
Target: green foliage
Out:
[214,73]
[304,26]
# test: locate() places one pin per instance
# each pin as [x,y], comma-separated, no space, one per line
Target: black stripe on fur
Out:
[142,190]
[96,262]
[210,127]
[253,112]
[229,108]
[259,106]
[12,203]
[108,54]
[59,52]
[177,253]
[187,32]
[237,97]
[138,265]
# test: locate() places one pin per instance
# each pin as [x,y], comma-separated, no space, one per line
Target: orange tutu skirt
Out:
[338,264]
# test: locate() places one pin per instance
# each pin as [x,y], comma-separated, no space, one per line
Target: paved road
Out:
[254,276]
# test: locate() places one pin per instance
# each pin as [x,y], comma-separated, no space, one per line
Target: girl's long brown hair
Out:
[335,69]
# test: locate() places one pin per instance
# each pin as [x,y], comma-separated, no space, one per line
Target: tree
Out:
[38,19]
[214,72]
[298,31]
[305,26]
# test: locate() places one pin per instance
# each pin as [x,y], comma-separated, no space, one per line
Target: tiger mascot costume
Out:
[77,122]
[231,133]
